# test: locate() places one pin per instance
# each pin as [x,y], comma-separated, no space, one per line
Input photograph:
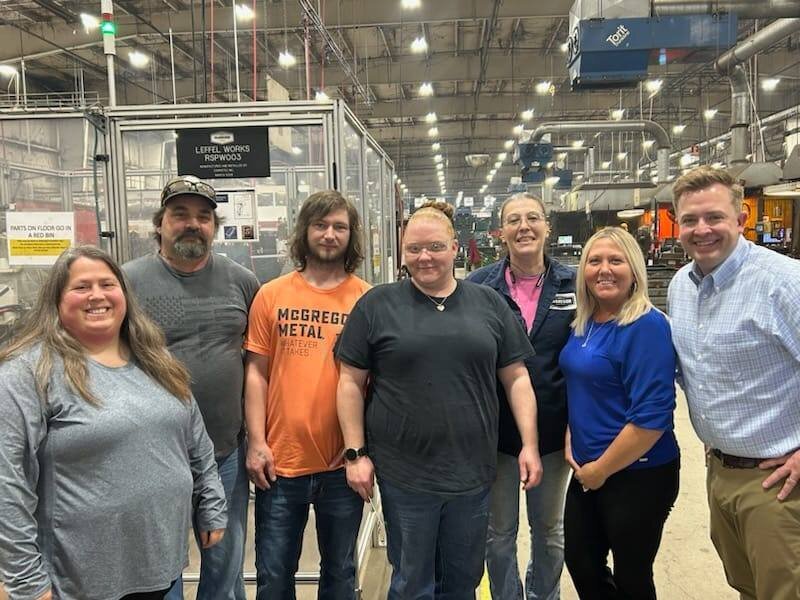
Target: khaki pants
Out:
[756,536]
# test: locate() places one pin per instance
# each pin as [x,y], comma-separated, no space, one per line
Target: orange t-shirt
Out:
[296,326]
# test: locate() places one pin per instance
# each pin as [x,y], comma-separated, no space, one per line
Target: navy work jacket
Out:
[554,313]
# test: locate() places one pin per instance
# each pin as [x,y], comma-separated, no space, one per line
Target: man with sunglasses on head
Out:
[201,300]
[296,453]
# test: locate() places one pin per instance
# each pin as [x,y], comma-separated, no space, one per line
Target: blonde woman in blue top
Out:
[619,366]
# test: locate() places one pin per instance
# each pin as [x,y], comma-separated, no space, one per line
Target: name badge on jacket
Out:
[566,301]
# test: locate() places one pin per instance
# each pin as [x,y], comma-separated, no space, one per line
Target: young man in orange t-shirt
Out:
[295,447]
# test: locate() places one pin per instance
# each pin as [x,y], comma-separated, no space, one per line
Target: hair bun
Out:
[444,207]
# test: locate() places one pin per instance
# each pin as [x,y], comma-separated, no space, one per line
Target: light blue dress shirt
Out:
[737,335]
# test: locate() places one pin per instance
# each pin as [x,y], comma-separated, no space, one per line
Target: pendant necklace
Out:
[588,335]
[439,304]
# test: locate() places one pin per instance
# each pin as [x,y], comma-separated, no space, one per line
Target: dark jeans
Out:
[436,544]
[625,516]
[281,514]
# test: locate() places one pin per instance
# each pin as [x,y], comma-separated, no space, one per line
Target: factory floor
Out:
[687,567]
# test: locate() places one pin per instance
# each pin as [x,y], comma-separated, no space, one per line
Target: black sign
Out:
[223,153]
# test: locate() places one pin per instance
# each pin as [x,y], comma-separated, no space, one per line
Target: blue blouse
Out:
[617,375]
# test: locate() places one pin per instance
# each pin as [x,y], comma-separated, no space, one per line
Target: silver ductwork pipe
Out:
[745,9]
[729,64]
[642,126]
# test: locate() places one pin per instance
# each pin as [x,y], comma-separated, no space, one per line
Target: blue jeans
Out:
[546,520]
[281,516]
[221,565]
[435,543]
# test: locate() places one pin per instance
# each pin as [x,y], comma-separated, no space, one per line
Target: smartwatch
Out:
[351,454]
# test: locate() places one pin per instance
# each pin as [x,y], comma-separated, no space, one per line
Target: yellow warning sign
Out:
[37,247]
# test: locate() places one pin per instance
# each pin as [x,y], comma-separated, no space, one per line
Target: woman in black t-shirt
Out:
[432,349]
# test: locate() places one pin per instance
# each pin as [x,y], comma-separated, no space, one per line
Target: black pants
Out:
[625,516]
[148,595]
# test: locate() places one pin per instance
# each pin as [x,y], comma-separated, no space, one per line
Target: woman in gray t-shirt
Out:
[103,452]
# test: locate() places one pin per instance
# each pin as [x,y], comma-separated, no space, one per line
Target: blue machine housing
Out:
[606,53]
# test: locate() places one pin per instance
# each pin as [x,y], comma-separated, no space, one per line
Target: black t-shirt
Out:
[432,408]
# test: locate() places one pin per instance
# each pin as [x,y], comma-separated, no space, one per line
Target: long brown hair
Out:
[43,326]
[318,206]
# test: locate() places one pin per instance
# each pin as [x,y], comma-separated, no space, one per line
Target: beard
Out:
[326,255]
[191,246]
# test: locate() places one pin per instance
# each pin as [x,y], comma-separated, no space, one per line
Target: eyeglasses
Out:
[432,248]
[533,218]
[187,184]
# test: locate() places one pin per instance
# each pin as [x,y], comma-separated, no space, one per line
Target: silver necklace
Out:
[588,335]
[439,305]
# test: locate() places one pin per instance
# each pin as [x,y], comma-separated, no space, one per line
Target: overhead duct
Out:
[662,140]
[745,9]
[730,63]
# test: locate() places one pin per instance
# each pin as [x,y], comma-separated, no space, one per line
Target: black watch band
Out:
[351,454]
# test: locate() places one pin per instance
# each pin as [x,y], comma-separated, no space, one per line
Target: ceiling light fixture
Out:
[89,22]
[653,86]
[518,129]
[527,115]
[622,155]
[286,59]
[606,164]
[138,59]
[409,4]
[508,144]
[618,114]
[709,113]
[678,129]
[647,144]
[769,84]
[321,96]
[244,12]
[433,132]
[577,144]
[544,87]
[426,89]
[435,146]
[502,156]
[419,45]
[430,117]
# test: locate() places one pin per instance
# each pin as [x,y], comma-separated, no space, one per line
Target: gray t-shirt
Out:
[204,317]
[96,501]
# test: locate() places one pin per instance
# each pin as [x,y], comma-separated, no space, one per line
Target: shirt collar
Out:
[726,270]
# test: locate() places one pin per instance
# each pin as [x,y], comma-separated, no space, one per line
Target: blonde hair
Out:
[43,326]
[703,177]
[437,211]
[637,304]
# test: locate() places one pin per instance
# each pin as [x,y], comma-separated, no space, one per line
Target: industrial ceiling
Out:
[487,62]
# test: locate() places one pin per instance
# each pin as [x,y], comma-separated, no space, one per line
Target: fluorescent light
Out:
[89,22]
[244,12]
[138,59]
[518,129]
[618,114]
[678,129]
[544,87]
[508,144]
[433,132]
[426,89]
[527,115]
[435,146]
[411,4]
[653,86]
[7,70]
[709,113]
[321,96]
[286,59]
[502,156]
[430,117]
[419,45]
[577,144]
[769,84]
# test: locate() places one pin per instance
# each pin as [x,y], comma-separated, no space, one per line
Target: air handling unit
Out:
[612,43]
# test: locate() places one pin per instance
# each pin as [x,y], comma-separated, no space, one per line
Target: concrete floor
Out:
[687,567]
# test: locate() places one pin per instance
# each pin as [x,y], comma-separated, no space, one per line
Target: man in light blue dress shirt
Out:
[735,313]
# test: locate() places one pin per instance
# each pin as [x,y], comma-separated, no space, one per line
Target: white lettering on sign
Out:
[619,36]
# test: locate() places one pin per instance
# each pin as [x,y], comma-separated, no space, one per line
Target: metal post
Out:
[236,51]
[172,66]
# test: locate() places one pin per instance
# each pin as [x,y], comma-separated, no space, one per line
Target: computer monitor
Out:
[564,240]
